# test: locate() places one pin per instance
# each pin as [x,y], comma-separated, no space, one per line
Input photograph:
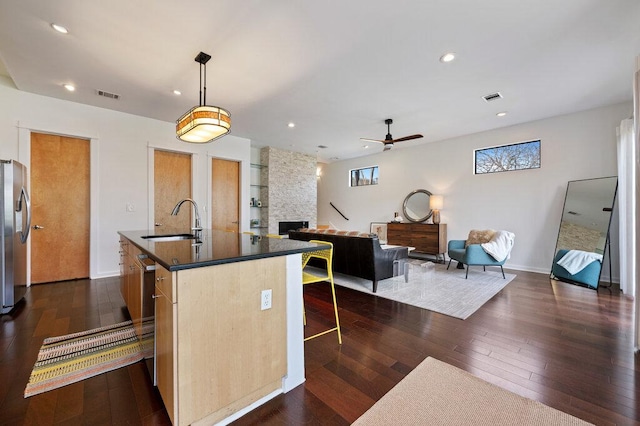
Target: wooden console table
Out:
[427,238]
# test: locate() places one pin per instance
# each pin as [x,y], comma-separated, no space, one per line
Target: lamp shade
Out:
[203,124]
[436,202]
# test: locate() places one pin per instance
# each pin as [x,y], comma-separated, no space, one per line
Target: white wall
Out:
[528,203]
[120,167]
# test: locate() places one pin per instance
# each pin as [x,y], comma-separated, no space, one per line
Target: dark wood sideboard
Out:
[427,238]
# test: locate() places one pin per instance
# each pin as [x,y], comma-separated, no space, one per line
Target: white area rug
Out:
[431,286]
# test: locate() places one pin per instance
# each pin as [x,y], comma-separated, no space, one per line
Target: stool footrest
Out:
[321,333]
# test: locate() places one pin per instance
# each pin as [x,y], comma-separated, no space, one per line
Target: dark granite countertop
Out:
[213,248]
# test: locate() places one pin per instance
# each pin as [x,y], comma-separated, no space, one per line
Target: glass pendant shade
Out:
[203,124]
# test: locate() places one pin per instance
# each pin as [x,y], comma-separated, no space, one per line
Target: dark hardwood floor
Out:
[565,346]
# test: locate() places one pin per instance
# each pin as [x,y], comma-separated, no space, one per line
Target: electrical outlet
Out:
[265,300]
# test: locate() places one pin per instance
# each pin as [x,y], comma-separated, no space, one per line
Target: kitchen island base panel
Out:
[228,349]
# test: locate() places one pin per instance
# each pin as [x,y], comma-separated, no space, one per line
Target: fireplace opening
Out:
[285,227]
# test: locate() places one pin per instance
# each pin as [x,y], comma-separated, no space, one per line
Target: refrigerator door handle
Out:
[25,195]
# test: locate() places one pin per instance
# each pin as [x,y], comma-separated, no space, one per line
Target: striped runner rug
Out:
[74,357]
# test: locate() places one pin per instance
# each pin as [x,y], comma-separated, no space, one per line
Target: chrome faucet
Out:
[197,228]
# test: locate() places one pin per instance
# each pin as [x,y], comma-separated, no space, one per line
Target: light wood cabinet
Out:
[165,339]
[425,237]
[135,293]
[132,276]
[123,267]
[125,270]
[216,350]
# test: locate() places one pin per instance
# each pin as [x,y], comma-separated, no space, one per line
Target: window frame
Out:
[538,142]
[374,178]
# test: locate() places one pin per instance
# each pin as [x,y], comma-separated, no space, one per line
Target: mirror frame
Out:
[607,244]
[406,201]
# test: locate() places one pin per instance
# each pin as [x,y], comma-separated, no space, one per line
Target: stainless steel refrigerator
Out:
[15,219]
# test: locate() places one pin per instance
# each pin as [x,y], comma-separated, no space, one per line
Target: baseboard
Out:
[523,268]
[105,275]
[528,269]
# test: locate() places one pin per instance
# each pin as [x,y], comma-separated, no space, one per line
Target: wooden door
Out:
[225,194]
[60,199]
[172,183]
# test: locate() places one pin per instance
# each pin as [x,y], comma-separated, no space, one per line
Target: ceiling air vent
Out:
[107,94]
[492,97]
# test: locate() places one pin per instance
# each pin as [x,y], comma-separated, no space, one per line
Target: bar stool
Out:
[325,254]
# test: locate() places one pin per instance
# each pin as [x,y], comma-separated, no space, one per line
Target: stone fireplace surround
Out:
[289,188]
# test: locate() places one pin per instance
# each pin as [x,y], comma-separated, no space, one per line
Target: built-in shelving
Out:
[259,193]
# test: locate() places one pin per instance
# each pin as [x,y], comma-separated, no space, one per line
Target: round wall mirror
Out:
[416,206]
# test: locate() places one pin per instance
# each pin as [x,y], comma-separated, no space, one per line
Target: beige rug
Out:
[431,286]
[436,393]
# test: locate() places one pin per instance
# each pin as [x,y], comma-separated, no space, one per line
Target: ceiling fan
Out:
[388,140]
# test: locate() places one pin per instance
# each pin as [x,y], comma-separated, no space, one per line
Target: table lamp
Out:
[435,204]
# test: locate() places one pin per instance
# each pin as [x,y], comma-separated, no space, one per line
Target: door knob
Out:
[157,224]
[38,227]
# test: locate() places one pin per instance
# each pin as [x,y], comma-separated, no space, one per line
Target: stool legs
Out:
[335,311]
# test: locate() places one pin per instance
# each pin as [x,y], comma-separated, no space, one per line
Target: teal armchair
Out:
[474,255]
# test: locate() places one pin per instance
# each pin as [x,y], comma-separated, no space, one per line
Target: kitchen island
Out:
[228,319]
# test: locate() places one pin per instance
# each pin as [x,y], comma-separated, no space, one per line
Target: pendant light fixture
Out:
[203,123]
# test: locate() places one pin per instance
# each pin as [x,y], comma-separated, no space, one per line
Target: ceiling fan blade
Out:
[408,138]
[371,140]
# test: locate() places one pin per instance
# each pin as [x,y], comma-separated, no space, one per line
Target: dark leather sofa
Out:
[356,253]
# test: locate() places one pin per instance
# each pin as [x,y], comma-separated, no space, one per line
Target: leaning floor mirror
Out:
[583,238]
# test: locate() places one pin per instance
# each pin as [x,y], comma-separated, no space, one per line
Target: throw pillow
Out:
[479,236]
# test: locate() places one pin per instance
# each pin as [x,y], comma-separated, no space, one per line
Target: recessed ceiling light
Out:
[69,87]
[365,146]
[60,28]
[501,114]
[177,92]
[292,125]
[448,57]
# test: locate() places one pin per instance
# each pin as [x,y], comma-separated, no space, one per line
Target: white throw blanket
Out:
[576,260]
[500,245]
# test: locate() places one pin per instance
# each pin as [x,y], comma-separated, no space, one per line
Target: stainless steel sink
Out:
[169,237]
